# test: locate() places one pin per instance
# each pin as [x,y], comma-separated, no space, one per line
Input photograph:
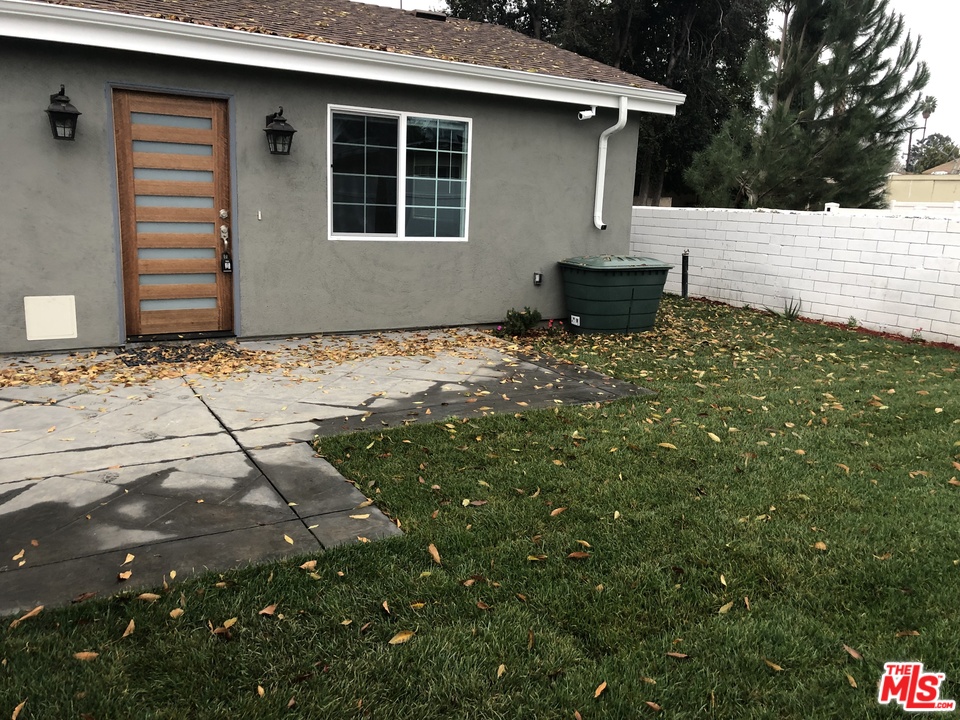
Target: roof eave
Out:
[137,33]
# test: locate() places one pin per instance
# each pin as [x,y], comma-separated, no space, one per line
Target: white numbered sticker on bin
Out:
[575,320]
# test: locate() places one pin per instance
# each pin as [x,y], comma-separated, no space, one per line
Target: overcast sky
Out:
[936,21]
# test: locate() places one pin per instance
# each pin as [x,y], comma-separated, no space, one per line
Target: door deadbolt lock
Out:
[224,214]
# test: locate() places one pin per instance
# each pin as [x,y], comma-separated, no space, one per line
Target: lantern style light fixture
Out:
[279,133]
[63,116]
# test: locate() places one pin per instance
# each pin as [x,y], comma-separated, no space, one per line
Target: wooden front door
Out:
[173,170]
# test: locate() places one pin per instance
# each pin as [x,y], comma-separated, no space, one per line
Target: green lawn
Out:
[786,493]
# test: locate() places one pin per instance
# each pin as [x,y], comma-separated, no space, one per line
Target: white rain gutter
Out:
[602,164]
[138,33]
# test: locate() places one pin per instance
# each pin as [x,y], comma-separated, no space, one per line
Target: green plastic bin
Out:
[613,293]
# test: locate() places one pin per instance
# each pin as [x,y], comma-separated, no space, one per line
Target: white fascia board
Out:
[136,33]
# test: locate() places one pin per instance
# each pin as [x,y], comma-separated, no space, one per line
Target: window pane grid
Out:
[366,170]
[436,149]
[364,174]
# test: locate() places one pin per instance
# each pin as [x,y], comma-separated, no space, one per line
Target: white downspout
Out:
[602,164]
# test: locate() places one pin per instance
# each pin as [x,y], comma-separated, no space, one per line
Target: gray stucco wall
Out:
[531,202]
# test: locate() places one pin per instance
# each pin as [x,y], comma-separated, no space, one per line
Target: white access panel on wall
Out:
[50,317]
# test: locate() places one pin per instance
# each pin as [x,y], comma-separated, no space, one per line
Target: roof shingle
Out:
[353,24]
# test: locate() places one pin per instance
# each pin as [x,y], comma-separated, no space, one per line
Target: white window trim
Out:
[400,235]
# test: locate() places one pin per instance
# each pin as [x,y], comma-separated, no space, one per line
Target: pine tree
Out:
[838,91]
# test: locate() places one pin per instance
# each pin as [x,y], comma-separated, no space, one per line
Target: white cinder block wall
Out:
[892,273]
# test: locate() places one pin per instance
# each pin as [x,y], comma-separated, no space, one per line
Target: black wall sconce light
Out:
[279,133]
[63,116]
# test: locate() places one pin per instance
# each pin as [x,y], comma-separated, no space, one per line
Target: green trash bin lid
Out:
[615,262]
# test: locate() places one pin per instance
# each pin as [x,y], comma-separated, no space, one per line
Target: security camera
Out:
[587,114]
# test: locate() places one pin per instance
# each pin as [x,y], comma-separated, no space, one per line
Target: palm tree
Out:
[928,106]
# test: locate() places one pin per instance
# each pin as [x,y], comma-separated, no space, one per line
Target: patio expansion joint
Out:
[108,467]
[67,450]
[152,543]
[250,457]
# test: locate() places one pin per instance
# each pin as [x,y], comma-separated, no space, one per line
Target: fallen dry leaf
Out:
[725,608]
[557,511]
[678,655]
[128,559]
[309,565]
[401,637]
[83,596]
[131,626]
[773,665]
[288,539]
[669,446]
[385,606]
[17,710]
[176,612]
[908,633]
[536,558]
[578,555]
[268,610]
[434,553]
[124,575]
[364,516]
[820,545]
[229,623]
[600,688]
[853,683]
[713,437]
[148,597]
[19,555]
[653,706]
[501,670]
[853,653]
[27,616]
[86,656]
[260,691]
[482,605]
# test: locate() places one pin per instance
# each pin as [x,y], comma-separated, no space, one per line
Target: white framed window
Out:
[397,175]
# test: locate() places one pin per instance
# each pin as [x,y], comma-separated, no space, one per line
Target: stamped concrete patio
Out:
[193,472]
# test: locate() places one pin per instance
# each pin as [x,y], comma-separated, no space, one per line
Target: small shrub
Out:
[520,322]
[917,335]
[791,309]
[556,328]
[852,322]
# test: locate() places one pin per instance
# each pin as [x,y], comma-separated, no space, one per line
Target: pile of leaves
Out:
[221,360]
[179,353]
